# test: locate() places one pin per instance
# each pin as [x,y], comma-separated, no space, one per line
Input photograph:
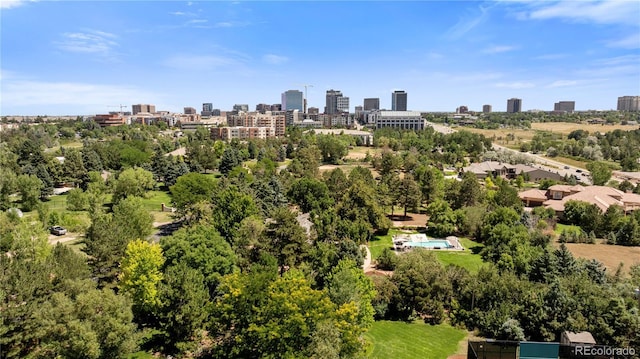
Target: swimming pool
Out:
[436,243]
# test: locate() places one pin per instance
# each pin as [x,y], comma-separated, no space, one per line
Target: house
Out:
[558,195]
[571,338]
[509,171]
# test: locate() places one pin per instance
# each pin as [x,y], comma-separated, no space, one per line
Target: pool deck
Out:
[402,242]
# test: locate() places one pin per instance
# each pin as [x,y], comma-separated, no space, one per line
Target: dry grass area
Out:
[610,256]
[360,152]
[566,127]
[519,136]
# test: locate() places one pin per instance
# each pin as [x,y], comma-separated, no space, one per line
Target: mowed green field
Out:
[401,340]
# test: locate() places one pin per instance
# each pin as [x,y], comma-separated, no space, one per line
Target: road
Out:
[541,161]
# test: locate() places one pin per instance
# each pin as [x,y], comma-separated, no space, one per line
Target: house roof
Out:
[601,196]
[581,337]
[535,194]
[486,166]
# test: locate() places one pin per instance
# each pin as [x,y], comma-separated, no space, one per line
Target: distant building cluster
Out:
[270,120]
[629,103]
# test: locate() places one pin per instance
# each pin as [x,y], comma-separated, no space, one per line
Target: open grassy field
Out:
[566,227]
[379,243]
[401,340]
[469,259]
[611,256]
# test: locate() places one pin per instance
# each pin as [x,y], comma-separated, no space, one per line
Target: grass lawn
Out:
[400,340]
[379,243]
[154,199]
[469,259]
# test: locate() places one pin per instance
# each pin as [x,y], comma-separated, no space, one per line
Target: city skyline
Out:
[89,57]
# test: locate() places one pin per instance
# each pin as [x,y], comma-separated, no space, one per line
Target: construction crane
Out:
[305,95]
[120,106]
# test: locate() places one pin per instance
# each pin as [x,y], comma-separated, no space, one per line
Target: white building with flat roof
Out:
[406,120]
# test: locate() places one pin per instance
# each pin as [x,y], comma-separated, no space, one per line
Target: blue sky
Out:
[82,57]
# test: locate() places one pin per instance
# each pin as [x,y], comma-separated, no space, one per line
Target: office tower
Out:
[486,108]
[565,106]
[241,107]
[292,100]
[343,104]
[189,111]
[276,107]
[136,109]
[399,101]
[371,104]
[629,103]
[462,109]
[514,105]
[207,108]
[313,110]
[263,107]
[336,103]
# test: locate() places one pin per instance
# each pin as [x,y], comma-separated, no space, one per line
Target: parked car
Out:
[579,171]
[58,231]
[566,167]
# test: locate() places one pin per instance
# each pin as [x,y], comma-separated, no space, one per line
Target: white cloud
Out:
[601,12]
[21,92]
[563,83]
[9,4]
[630,42]
[468,23]
[200,62]
[90,41]
[274,59]
[498,49]
[515,85]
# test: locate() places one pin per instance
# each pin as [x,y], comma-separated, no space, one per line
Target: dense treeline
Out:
[266,260]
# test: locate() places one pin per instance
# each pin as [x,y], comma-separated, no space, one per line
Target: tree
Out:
[73,166]
[93,324]
[8,185]
[132,182]
[77,200]
[231,206]
[230,159]
[285,239]
[140,273]
[408,194]
[348,284]
[600,172]
[202,248]
[332,148]
[442,219]
[185,306]
[29,187]
[191,189]
[310,194]
[431,182]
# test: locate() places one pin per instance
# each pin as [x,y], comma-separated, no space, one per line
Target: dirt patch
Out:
[411,220]
[610,256]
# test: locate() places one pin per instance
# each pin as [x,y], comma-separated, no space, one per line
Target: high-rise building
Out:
[343,104]
[189,111]
[276,107]
[292,100]
[371,104]
[462,109]
[486,108]
[399,101]
[332,101]
[629,103]
[514,105]
[565,106]
[241,107]
[136,109]
[263,107]
[207,108]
